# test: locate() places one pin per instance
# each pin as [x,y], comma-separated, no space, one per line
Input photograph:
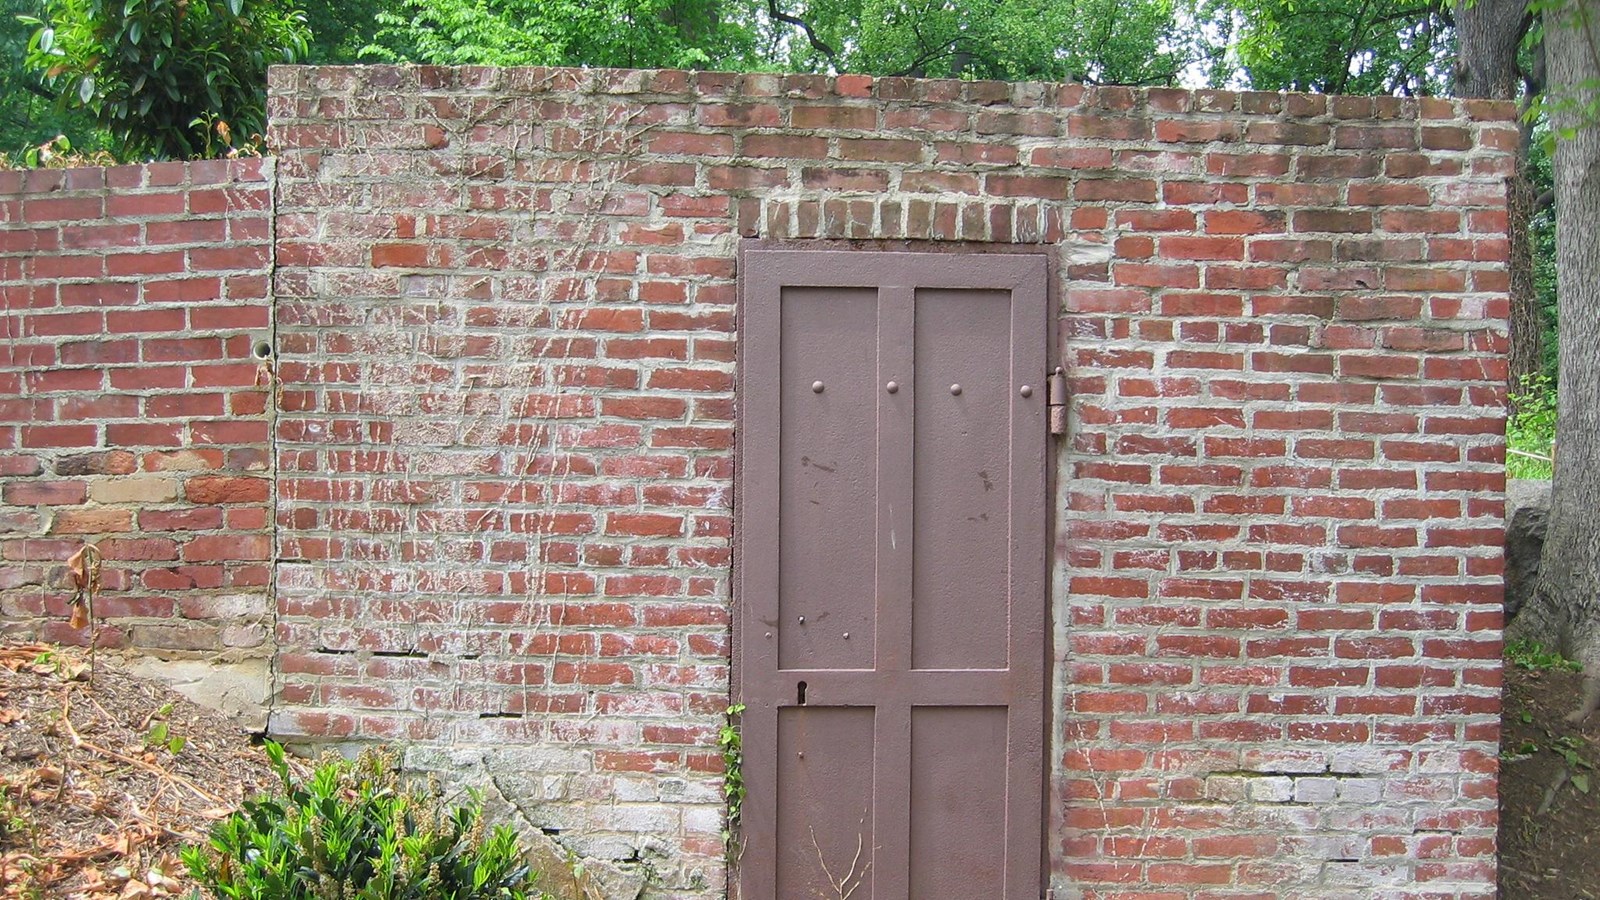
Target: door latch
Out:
[1056,399]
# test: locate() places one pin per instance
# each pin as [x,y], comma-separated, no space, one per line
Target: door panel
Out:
[827,462]
[890,585]
[958,801]
[825,789]
[961,480]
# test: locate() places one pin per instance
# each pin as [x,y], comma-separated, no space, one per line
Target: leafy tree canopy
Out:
[28,114]
[340,29]
[166,78]
[1113,41]
[1105,41]
[621,33]
[1330,46]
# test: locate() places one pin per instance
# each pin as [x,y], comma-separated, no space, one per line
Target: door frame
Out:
[1052,453]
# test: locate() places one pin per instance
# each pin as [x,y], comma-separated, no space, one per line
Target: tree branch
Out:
[925,55]
[1431,10]
[1357,32]
[817,44]
[918,67]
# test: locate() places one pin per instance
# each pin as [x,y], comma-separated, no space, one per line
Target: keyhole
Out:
[800,693]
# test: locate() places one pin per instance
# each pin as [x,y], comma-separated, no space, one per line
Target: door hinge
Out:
[1056,398]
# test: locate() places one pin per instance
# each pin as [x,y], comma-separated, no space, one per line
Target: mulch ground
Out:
[102,780]
[1549,790]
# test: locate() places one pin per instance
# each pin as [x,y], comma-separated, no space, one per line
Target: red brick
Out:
[227,547]
[1097,189]
[211,490]
[785,146]
[45,493]
[859,118]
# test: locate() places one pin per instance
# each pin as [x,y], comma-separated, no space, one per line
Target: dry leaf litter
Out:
[104,776]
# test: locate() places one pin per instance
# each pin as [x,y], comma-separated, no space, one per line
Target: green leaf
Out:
[86,88]
[1581,782]
[135,31]
[47,39]
[235,7]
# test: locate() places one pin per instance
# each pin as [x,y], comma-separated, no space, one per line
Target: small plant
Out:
[1528,655]
[1531,430]
[732,744]
[160,733]
[1521,751]
[1568,748]
[358,830]
[14,825]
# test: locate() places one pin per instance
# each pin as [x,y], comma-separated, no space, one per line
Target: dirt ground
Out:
[102,781]
[1549,790]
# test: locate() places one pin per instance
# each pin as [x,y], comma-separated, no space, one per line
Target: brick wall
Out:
[505,316]
[505,449]
[507,304]
[131,416]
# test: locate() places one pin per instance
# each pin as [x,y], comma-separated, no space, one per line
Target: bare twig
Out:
[844,887]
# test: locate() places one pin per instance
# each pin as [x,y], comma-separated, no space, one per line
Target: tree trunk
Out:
[1564,612]
[1489,33]
[1527,319]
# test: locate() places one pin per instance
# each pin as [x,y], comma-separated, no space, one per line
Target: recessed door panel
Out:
[958,801]
[825,787]
[827,463]
[962,479]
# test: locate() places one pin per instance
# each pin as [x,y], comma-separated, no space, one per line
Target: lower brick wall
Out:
[504,309]
[133,414]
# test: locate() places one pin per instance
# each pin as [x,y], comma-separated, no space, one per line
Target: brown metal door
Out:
[891,574]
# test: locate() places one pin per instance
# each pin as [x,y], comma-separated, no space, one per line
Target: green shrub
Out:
[1531,430]
[356,830]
